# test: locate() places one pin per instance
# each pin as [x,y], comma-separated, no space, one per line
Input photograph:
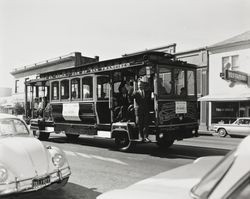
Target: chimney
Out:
[97,58]
[78,58]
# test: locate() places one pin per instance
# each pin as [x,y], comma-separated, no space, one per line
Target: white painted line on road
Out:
[70,153]
[109,159]
[84,155]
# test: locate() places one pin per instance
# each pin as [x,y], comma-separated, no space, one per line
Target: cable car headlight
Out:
[3,174]
[161,135]
[58,160]
[181,117]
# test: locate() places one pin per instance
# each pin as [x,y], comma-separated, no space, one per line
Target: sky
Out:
[36,30]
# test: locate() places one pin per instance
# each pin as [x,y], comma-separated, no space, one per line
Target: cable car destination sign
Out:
[86,70]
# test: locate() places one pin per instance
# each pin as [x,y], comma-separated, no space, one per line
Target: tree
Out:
[19,109]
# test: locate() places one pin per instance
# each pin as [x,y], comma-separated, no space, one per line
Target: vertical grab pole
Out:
[25,101]
[111,97]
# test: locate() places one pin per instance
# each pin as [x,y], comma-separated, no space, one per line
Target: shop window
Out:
[225,112]
[235,62]
[102,87]
[204,82]
[65,89]
[87,87]
[16,86]
[190,83]
[230,63]
[75,89]
[199,81]
[55,91]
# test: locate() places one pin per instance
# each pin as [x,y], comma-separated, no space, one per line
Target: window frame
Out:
[52,90]
[173,94]
[60,90]
[92,89]
[79,87]
[108,92]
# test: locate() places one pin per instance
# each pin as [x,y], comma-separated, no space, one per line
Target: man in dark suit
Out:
[142,97]
[123,102]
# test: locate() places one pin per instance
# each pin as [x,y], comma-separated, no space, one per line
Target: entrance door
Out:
[102,103]
[122,89]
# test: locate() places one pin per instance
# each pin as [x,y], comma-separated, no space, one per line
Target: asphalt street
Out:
[97,167]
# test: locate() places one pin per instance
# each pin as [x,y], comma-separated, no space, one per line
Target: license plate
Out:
[41,181]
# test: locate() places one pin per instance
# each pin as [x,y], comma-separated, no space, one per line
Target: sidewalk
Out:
[205,132]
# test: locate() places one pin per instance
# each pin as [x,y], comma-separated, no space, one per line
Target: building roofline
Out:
[44,63]
[191,51]
[228,45]
[149,50]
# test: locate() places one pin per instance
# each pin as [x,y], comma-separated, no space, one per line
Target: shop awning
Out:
[225,97]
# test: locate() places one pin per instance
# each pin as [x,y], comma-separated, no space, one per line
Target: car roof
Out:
[5,115]
[244,118]
[244,146]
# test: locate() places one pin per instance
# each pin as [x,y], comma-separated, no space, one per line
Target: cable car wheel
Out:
[72,137]
[41,135]
[165,141]
[123,141]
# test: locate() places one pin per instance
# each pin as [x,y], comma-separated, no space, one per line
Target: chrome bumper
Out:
[26,185]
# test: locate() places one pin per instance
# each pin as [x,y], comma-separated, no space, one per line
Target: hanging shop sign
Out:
[237,76]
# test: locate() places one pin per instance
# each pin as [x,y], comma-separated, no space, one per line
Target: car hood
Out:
[24,157]
[175,183]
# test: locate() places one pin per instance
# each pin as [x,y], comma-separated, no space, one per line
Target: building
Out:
[229,80]
[200,58]
[5,94]
[22,74]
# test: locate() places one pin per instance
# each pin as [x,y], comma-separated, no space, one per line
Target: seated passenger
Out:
[41,106]
[162,90]
[183,91]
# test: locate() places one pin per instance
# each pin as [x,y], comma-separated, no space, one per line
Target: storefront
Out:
[226,108]
[228,82]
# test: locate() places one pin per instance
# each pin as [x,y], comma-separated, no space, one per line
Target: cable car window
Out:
[190,83]
[55,91]
[165,82]
[102,87]
[75,88]
[179,76]
[65,89]
[87,87]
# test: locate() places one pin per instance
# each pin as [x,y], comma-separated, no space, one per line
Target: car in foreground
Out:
[25,163]
[214,177]
[241,127]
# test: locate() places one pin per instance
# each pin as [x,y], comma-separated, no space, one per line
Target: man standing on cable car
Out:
[142,97]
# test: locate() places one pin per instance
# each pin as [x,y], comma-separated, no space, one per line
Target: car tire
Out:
[222,132]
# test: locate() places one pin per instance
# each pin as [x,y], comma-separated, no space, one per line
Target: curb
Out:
[207,133]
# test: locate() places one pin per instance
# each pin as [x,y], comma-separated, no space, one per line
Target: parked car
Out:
[206,178]
[25,163]
[241,126]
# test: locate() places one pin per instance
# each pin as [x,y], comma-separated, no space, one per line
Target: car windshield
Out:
[10,126]
[242,121]
[209,182]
